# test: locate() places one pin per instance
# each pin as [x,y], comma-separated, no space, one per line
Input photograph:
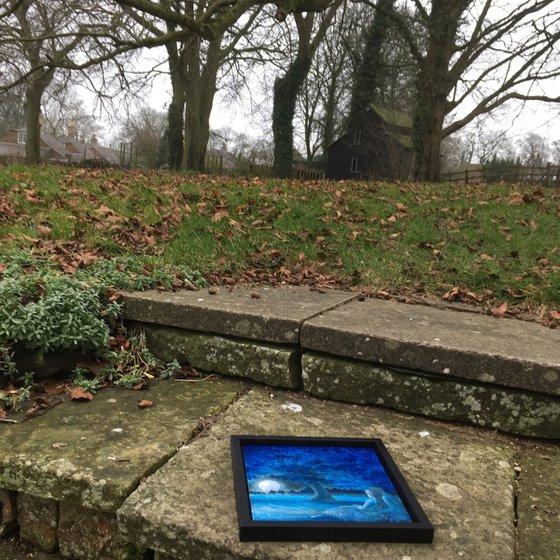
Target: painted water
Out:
[344,507]
[320,484]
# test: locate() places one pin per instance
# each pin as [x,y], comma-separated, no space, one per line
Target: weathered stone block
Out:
[95,453]
[275,315]
[87,534]
[506,352]
[463,480]
[514,411]
[538,504]
[276,366]
[38,522]
[7,511]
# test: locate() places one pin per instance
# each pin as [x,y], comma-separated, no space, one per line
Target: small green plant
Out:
[135,364]
[80,379]
[13,397]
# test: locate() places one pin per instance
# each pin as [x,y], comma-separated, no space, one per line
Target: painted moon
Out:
[269,486]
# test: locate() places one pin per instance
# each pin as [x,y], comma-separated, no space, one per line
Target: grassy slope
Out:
[499,242]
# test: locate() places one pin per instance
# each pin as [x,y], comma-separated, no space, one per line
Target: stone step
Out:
[464,480]
[472,346]
[72,468]
[452,365]
[263,314]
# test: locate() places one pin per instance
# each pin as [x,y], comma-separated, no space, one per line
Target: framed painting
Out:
[323,489]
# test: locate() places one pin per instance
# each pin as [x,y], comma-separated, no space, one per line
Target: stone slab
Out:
[464,482]
[95,453]
[538,504]
[500,351]
[86,534]
[38,522]
[510,410]
[273,365]
[11,551]
[275,315]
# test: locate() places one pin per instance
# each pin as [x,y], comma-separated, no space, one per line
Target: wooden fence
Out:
[309,174]
[547,176]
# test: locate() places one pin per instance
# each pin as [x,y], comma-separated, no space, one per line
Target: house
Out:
[64,149]
[377,144]
[12,145]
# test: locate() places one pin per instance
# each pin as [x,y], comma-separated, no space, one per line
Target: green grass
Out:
[499,241]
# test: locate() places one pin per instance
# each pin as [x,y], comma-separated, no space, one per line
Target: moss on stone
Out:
[510,410]
[276,366]
[95,453]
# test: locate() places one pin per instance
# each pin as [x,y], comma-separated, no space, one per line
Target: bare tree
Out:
[40,39]
[62,108]
[474,56]
[534,150]
[288,86]
[12,110]
[145,129]
[325,94]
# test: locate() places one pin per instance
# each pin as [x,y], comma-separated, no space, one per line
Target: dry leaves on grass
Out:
[463,295]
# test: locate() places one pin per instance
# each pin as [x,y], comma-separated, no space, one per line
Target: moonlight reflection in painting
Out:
[321,484]
[323,489]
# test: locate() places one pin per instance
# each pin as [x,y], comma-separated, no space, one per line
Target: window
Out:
[357,137]
[354,165]
[21,137]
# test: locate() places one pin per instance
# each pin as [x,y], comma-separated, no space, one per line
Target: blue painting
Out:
[320,484]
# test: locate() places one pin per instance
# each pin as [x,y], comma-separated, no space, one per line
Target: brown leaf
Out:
[145,403]
[104,210]
[220,215]
[516,198]
[255,295]
[79,393]
[499,311]
[213,291]
[59,445]
[44,231]
[552,319]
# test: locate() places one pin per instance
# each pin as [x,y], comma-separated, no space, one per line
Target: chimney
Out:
[72,129]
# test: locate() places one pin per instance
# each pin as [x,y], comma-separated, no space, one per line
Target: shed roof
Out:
[392,116]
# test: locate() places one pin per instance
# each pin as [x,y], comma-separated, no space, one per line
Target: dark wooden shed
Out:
[377,144]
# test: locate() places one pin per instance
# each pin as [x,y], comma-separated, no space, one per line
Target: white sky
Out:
[518,121]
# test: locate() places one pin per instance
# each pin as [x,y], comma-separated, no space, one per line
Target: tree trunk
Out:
[369,75]
[286,90]
[200,88]
[175,124]
[434,85]
[33,125]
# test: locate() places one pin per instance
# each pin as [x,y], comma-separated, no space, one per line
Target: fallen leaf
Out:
[499,311]
[255,295]
[219,215]
[552,319]
[59,445]
[79,393]
[44,231]
[145,403]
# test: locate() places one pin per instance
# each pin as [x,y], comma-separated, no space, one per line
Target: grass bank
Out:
[499,243]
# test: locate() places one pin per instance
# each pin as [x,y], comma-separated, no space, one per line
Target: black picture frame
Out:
[260,494]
